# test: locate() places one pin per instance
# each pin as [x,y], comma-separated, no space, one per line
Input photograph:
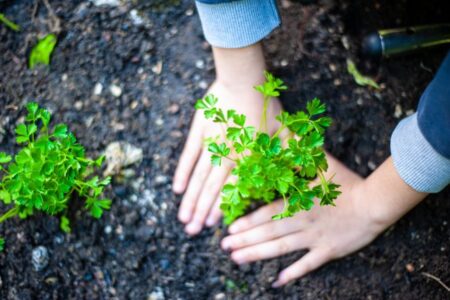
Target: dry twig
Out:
[438,280]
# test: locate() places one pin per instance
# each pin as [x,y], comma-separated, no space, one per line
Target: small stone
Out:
[119,155]
[108,229]
[51,280]
[134,104]
[136,18]
[157,69]
[337,82]
[372,166]
[409,268]
[78,105]
[284,63]
[161,179]
[358,159]
[409,112]
[39,258]
[119,230]
[58,239]
[176,134]
[200,64]
[203,85]
[173,109]
[332,67]
[189,12]
[157,294]
[98,88]
[115,90]
[345,43]
[64,77]
[398,111]
[159,122]
[133,198]
[106,2]
[219,296]
[360,101]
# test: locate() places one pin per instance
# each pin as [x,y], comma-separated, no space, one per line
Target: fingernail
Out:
[193,228]
[233,229]
[210,222]
[225,244]
[177,187]
[237,259]
[276,284]
[184,216]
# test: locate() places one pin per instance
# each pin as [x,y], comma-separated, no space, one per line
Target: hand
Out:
[328,232]
[195,175]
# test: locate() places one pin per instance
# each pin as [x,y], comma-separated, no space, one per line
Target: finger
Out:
[208,195]
[199,176]
[216,213]
[189,156]
[274,248]
[262,233]
[256,218]
[309,262]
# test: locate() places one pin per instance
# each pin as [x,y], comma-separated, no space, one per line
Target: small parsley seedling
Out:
[48,170]
[267,167]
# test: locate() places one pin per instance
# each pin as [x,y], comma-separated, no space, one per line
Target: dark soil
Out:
[139,248]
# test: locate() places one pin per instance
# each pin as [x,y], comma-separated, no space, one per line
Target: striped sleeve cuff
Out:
[416,161]
[238,24]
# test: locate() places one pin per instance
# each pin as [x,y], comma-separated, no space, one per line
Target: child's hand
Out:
[327,232]
[195,176]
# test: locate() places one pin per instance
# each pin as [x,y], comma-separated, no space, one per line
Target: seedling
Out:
[48,171]
[266,166]
[359,78]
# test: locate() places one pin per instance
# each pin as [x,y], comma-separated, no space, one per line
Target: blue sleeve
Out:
[237,24]
[420,144]
[433,113]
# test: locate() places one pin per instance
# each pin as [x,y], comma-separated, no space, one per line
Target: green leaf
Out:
[41,52]
[5,158]
[60,131]
[315,107]
[32,108]
[32,128]
[44,115]
[2,244]
[11,25]
[5,196]
[358,77]
[65,224]
[239,120]
[21,130]
[216,160]
[233,133]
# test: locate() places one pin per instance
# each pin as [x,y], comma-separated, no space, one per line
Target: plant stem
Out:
[10,213]
[8,23]
[263,124]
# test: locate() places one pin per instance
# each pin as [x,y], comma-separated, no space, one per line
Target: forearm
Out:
[394,197]
[240,68]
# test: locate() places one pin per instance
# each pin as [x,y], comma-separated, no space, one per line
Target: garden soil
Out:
[131,71]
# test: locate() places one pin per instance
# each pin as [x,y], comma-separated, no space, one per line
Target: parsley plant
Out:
[49,169]
[267,167]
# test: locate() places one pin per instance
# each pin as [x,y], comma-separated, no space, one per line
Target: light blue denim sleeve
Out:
[416,161]
[239,23]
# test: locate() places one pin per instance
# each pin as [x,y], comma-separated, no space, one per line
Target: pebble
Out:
[173,109]
[115,90]
[409,112]
[219,296]
[39,258]
[108,229]
[106,2]
[161,179]
[200,64]
[176,134]
[159,122]
[409,268]
[189,12]
[78,105]
[136,18]
[157,69]
[358,159]
[398,111]
[64,77]
[58,239]
[284,63]
[157,294]
[372,166]
[98,88]
[120,154]
[203,84]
